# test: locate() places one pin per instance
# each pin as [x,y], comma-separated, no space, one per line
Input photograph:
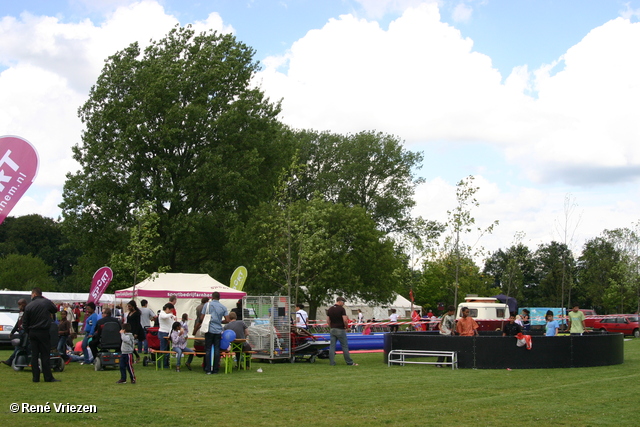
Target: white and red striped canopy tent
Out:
[188,288]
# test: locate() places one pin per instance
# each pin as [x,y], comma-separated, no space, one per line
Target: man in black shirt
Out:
[338,323]
[511,329]
[36,321]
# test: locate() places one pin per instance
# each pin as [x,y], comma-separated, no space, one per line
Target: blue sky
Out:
[536,99]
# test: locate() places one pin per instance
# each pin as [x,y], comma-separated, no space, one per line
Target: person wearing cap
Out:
[338,322]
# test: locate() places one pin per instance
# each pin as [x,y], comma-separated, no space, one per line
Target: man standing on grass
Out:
[214,334]
[338,322]
[36,321]
[576,321]
[467,326]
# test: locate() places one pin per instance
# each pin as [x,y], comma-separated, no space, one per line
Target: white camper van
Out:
[489,313]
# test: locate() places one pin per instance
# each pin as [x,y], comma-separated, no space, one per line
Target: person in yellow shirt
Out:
[576,321]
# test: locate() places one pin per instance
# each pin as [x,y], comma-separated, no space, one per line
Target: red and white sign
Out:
[18,170]
[145,293]
[101,280]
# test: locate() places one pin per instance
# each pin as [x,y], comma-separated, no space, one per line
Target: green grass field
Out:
[305,394]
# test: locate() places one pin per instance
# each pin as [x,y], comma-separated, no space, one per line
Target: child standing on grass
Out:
[552,326]
[126,358]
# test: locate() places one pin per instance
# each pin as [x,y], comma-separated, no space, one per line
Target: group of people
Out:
[35,321]
[467,326]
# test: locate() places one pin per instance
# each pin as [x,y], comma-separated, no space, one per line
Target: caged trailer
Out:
[267,318]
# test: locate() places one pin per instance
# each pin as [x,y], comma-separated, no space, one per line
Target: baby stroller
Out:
[305,345]
[109,347]
[23,356]
[154,344]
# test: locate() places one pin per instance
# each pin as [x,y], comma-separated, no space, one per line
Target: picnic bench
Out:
[225,356]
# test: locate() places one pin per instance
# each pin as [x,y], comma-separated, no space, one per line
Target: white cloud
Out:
[422,80]
[572,123]
[419,79]
[629,12]
[592,107]
[462,13]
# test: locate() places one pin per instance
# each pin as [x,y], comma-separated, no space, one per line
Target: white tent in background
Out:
[378,312]
[62,297]
[71,297]
[188,288]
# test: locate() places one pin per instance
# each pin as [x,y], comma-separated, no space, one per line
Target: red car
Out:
[624,323]
[591,317]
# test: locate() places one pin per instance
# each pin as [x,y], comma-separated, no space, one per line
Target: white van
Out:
[9,312]
[489,313]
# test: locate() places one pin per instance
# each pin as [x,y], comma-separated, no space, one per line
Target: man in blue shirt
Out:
[214,334]
[89,329]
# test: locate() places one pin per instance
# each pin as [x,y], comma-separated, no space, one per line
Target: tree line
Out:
[185,166]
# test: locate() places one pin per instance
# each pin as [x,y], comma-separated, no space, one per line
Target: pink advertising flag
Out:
[101,280]
[18,169]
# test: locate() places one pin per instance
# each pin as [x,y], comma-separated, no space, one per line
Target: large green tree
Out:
[461,225]
[603,279]
[42,238]
[24,272]
[130,267]
[514,272]
[315,249]
[179,125]
[369,169]
[627,241]
[555,266]
[436,286]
